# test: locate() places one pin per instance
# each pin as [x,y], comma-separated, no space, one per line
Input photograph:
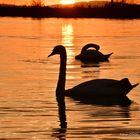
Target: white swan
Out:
[98,88]
[92,55]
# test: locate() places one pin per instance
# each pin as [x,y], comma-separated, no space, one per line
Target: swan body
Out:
[92,55]
[98,88]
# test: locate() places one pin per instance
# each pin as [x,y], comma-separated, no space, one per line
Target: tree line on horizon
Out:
[37,10]
[42,2]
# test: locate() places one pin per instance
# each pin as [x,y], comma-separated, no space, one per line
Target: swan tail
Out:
[133,86]
[125,83]
[108,55]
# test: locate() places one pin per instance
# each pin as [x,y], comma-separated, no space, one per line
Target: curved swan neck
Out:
[84,49]
[62,72]
[96,47]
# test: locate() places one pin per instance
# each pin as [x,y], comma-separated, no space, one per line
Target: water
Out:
[28,78]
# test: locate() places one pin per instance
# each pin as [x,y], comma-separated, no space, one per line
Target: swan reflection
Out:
[61,132]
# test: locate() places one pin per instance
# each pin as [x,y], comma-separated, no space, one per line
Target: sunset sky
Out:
[48,2]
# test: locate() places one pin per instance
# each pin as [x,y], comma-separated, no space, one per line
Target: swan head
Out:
[59,49]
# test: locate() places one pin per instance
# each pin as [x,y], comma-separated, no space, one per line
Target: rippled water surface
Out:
[28,78]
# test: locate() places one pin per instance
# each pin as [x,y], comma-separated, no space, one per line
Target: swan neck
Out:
[62,73]
[84,49]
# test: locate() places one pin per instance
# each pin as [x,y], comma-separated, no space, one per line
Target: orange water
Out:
[28,108]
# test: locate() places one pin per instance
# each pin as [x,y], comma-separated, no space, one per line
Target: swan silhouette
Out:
[92,55]
[98,88]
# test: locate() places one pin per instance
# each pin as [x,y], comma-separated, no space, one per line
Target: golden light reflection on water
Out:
[67,35]
[68,39]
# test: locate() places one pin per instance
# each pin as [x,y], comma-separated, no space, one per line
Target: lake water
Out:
[28,78]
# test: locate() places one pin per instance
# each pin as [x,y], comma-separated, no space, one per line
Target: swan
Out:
[98,88]
[92,55]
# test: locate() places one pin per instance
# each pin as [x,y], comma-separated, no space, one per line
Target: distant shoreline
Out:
[117,10]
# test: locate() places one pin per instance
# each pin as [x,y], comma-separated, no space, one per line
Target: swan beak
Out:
[133,86]
[51,54]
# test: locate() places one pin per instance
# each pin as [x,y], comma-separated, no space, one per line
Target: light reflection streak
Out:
[68,39]
[67,35]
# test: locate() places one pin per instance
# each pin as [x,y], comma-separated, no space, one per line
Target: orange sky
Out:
[48,2]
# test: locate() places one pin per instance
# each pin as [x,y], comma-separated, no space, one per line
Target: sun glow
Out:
[67,1]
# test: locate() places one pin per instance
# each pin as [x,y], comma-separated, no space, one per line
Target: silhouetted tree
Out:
[112,1]
[38,3]
[123,1]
